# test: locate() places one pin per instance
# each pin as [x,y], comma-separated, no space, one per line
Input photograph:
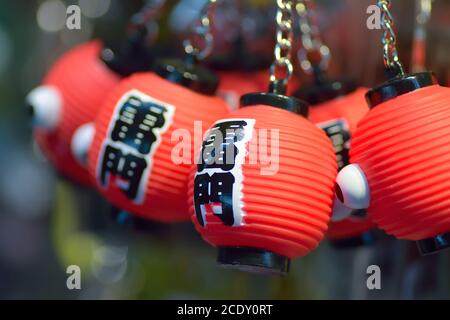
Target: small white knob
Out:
[352,188]
[45,104]
[340,211]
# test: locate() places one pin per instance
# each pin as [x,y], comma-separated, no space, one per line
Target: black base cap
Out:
[325,90]
[434,244]
[365,239]
[188,74]
[253,260]
[275,100]
[398,86]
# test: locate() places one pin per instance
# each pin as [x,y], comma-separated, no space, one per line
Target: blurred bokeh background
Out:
[47,223]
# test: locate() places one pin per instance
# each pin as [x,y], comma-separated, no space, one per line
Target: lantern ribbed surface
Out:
[351,108]
[403,147]
[166,187]
[83,81]
[288,212]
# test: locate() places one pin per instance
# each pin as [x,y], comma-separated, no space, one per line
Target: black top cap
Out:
[133,56]
[275,100]
[398,86]
[187,74]
[325,90]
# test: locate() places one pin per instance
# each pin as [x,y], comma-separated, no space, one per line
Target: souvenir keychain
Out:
[76,85]
[336,106]
[400,154]
[260,213]
[143,136]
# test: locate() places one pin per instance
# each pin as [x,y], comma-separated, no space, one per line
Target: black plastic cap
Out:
[325,90]
[365,239]
[434,244]
[253,260]
[187,74]
[398,86]
[275,100]
[132,56]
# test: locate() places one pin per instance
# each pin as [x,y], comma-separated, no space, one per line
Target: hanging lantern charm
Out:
[400,155]
[72,93]
[260,217]
[337,104]
[143,148]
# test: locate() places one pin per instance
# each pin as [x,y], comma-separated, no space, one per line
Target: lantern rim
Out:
[399,86]
[291,104]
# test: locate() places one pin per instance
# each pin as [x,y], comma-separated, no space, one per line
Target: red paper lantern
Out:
[260,221]
[338,117]
[137,136]
[401,161]
[69,96]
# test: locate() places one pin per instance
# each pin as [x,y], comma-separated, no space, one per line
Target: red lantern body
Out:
[403,147]
[138,124]
[82,80]
[339,118]
[285,213]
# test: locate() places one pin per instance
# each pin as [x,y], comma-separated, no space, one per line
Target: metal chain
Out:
[283,46]
[389,40]
[313,52]
[202,31]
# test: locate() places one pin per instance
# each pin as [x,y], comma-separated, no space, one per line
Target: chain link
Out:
[283,46]
[313,51]
[389,40]
[202,31]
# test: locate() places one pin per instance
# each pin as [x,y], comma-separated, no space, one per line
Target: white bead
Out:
[81,142]
[340,211]
[46,102]
[354,187]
